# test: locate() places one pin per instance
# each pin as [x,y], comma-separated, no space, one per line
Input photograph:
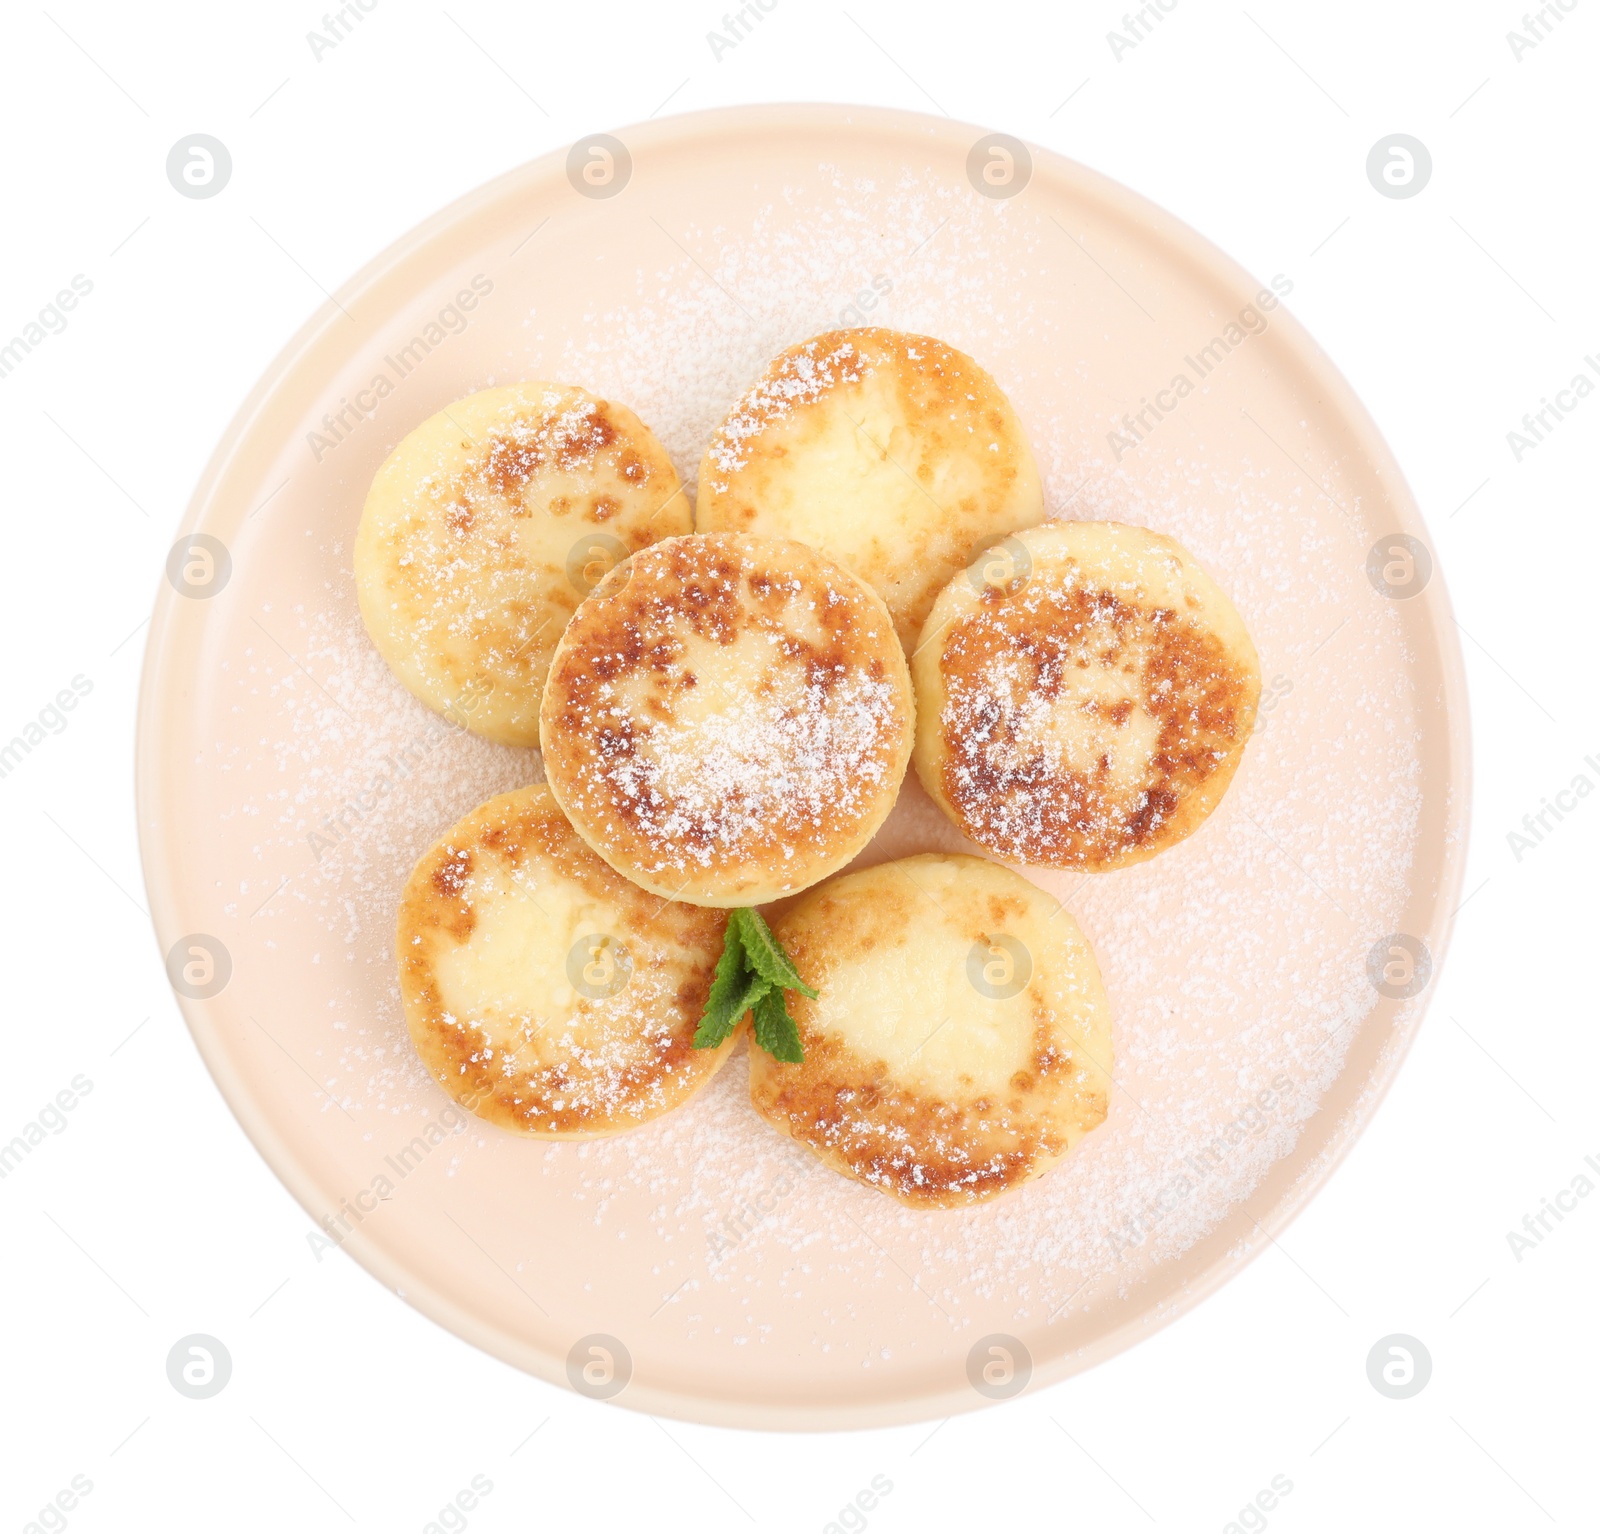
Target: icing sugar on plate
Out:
[747,1282]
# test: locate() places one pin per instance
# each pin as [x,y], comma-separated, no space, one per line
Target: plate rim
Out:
[158,677]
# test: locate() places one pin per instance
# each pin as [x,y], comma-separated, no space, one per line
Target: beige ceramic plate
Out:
[286,783]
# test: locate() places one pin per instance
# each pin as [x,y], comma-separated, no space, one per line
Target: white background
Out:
[150,1216]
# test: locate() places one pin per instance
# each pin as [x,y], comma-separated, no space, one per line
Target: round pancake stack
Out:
[726,716]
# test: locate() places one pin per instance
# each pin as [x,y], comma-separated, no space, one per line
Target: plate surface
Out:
[1266,975]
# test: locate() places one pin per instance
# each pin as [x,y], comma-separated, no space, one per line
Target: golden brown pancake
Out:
[961,1041]
[487,525]
[894,454]
[544,991]
[1091,710]
[727,718]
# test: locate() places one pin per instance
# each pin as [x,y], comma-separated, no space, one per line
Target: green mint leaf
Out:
[764,953]
[734,991]
[717,1021]
[775,1029]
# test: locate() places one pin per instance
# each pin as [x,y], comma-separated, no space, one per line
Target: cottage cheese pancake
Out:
[728,718]
[487,525]
[894,454]
[544,991]
[1091,709]
[960,1044]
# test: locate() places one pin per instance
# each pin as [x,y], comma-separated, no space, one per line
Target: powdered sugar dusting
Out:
[702,795]
[1079,713]
[729,707]
[1235,963]
[799,377]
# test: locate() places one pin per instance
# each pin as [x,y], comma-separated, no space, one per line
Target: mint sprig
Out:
[775,1029]
[727,991]
[765,954]
[752,975]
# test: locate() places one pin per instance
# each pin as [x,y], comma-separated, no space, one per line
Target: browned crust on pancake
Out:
[459,534]
[524,830]
[926,1151]
[936,385]
[817,787]
[1028,810]
[947,402]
